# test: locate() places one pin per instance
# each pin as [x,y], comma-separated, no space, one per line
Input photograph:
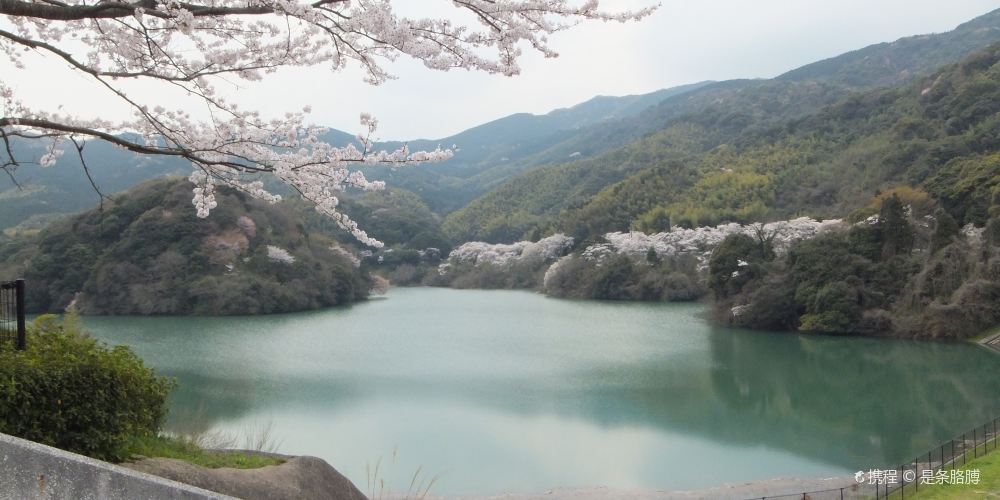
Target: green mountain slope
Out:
[685,165]
[47,193]
[888,64]
[493,152]
[147,253]
[871,67]
[531,203]
[940,133]
[43,194]
[497,152]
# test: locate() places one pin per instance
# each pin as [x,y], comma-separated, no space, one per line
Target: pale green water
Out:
[512,391]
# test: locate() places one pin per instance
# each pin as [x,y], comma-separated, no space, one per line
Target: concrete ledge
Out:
[30,471]
[992,341]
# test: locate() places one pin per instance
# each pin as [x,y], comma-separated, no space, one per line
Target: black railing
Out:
[12,328]
[898,481]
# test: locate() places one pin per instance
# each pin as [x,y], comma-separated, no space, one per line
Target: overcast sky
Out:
[684,42]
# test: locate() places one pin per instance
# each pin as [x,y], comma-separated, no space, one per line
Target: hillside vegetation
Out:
[914,169]
[513,147]
[146,252]
[728,106]
[692,141]
[729,163]
[902,272]
[496,150]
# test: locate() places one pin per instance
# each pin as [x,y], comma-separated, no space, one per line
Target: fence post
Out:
[19,298]
[902,483]
[965,450]
[916,471]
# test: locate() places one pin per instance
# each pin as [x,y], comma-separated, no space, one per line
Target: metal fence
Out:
[12,333]
[898,481]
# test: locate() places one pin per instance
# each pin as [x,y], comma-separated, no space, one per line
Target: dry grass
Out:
[378,489]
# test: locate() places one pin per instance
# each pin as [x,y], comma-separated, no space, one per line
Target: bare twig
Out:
[79,152]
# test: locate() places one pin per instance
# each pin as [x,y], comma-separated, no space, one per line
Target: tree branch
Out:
[79,152]
[111,10]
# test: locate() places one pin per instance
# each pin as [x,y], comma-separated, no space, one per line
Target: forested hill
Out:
[733,161]
[44,194]
[446,187]
[892,63]
[146,252]
[495,151]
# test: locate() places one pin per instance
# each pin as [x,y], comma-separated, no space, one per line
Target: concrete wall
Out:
[30,471]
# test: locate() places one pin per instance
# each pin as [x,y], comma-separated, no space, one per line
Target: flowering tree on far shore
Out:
[189,45]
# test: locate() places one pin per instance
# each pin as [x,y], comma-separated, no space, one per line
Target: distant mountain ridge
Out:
[507,146]
[940,134]
[505,154]
[679,128]
[63,188]
[892,63]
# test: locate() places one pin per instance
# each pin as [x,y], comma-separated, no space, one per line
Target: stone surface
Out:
[32,471]
[297,478]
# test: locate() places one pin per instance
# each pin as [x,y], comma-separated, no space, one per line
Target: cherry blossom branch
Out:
[189,45]
[86,170]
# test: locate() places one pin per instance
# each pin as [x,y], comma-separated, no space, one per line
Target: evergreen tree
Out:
[945,230]
[897,235]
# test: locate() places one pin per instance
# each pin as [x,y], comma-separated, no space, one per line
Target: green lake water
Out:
[497,391]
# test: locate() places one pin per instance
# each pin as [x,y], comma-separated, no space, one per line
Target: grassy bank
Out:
[988,465]
[189,451]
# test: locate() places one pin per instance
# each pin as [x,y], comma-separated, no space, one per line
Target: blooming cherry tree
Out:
[701,241]
[278,254]
[190,45]
[500,254]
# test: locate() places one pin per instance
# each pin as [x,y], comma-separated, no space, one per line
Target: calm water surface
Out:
[511,391]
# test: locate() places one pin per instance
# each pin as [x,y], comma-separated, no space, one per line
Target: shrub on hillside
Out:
[69,391]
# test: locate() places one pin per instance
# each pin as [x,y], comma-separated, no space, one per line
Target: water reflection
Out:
[862,401]
[512,391]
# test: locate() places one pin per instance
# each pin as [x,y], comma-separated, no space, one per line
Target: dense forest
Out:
[146,252]
[908,270]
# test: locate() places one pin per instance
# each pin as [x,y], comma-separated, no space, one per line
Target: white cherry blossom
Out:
[702,240]
[278,254]
[478,252]
[192,46]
